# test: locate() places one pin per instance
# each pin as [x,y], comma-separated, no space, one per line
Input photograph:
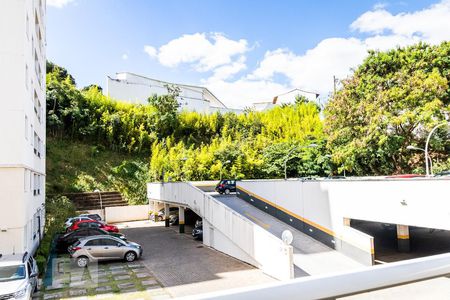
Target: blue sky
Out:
[243,51]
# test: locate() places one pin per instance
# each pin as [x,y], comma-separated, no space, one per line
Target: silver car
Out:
[18,276]
[103,247]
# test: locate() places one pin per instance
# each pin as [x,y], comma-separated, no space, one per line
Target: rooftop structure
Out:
[135,88]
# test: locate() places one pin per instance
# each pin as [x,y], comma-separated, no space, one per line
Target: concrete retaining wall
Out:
[127,213]
[318,207]
[306,208]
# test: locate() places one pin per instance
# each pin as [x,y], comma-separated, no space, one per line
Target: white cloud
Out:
[124,56]
[313,70]
[58,3]
[227,71]
[151,51]
[204,52]
[431,25]
[243,92]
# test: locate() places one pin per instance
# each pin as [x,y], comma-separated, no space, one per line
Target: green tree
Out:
[166,111]
[391,101]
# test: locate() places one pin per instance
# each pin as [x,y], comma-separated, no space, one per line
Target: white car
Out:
[70,221]
[18,276]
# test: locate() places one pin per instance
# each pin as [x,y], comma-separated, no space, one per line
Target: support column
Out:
[166,214]
[403,238]
[181,219]
[154,213]
[347,222]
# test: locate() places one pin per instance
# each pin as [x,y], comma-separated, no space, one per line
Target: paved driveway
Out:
[185,266]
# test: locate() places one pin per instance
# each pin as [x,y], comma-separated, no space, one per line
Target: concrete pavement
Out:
[187,267]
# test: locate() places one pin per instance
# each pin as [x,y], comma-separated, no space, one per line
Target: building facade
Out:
[22,124]
[137,89]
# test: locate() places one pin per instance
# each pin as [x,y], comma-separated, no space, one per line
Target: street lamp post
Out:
[221,166]
[289,153]
[426,147]
[100,197]
[410,147]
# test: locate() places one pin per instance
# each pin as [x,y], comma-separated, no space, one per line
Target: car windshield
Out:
[9,273]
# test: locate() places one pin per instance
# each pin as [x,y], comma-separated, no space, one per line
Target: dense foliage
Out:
[186,145]
[57,210]
[392,101]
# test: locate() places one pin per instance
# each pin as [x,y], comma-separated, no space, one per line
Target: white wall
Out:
[127,213]
[22,114]
[325,203]
[137,89]
[233,233]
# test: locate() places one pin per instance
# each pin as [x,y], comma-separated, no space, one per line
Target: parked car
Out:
[226,186]
[103,247]
[18,276]
[95,217]
[443,173]
[64,241]
[161,214]
[70,221]
[197,232]
[92,224]
[190,217]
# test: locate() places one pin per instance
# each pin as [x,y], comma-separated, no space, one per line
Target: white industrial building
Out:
[137,89]
[22,124]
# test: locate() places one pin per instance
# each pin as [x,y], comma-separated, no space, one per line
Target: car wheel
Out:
[130,256]
[227,191]
[82,261]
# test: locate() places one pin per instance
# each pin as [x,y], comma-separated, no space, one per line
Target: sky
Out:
[243,51]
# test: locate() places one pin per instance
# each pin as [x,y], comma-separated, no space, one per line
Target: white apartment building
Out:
[22,124]
[137,89]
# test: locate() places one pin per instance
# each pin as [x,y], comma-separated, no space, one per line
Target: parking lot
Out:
[115,280]
[423,241]
[185,266]
[172,265]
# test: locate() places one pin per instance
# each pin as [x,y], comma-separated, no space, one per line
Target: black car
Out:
[197,232]
[95,217]
[64,241]
[226,186]
[190,217]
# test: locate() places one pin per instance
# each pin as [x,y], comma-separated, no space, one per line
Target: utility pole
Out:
[334,84]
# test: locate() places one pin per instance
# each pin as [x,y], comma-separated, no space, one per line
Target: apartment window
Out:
[25,181]
[31,180]
[37,106]
[26,127]
[35,185]
[39,184]
[35,143]
[39,147]
[31,135]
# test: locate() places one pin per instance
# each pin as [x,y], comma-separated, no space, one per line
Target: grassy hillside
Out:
[73,166]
